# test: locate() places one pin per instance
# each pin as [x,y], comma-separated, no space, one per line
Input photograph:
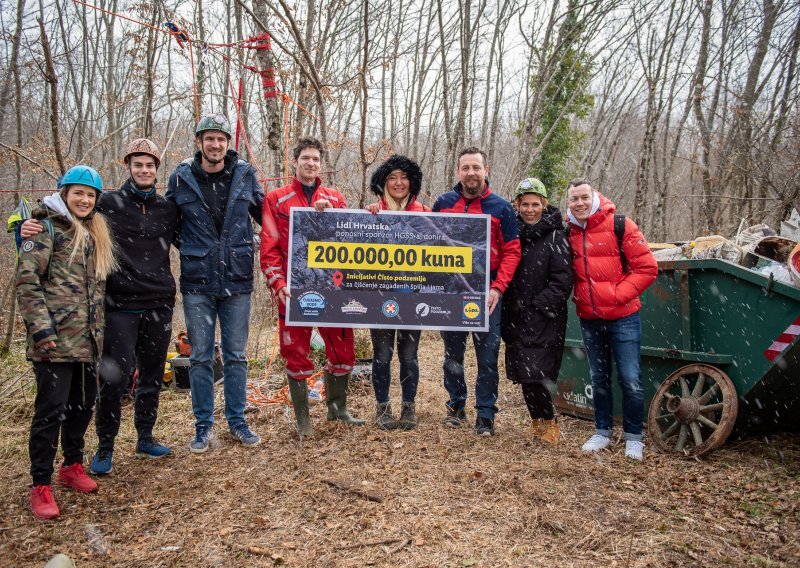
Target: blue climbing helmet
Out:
[81,175]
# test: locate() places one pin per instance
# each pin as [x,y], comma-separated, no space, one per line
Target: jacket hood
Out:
[601,208]
[550,221]
[56,206]
[397,162]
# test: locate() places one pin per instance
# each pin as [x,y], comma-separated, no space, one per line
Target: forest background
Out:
[685,113]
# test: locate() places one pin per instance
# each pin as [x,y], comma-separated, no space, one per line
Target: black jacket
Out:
[535,304]
[143,228]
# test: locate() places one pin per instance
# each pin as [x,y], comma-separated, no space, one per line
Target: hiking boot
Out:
[336,398]
[74,477]
[149,448]
[484,426]
[408,416]
[455,418]
[551,433]
[383,416]
[203,438]
[634,449]
[42,502]
[102,462]
[298,392]
[247,437]
[596,443]
[537,428]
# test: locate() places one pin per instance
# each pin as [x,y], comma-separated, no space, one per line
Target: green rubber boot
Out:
[336,397]
[298,392]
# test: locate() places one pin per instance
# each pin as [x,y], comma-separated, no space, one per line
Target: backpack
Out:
[48,225]
[619,231]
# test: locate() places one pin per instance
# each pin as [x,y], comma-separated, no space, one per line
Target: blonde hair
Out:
[395,205]
[94,229]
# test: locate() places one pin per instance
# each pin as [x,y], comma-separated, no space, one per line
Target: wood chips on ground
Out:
[429,497]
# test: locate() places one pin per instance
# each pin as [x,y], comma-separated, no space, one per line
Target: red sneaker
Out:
[73,476]
[42,502]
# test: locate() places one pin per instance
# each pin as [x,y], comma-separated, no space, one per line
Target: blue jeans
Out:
[620,339]
[487,348]
[382,351]
[201,314]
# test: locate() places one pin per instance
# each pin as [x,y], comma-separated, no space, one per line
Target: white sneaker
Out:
[596,443]
[634,449]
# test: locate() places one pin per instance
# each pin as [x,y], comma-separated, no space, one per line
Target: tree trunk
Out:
[52,80]
[266,60]
[12,64]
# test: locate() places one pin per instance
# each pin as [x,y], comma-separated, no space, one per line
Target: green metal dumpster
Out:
[720,352]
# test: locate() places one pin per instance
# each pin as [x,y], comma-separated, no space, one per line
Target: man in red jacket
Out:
[608,283]
[306,190]
[473,195]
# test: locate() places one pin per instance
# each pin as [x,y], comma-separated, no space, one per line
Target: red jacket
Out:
[275,226]
[504,239]
[602,290]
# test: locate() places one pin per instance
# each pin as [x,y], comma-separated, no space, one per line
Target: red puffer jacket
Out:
[602,290]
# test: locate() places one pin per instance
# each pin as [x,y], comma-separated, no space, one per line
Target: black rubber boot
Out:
[298,392]
[336,395]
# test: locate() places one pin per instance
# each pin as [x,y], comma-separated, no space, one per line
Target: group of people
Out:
[96,293]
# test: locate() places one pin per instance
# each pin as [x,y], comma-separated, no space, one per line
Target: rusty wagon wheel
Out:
[694,411]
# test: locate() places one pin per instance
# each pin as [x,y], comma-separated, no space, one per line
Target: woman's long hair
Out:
[95,227]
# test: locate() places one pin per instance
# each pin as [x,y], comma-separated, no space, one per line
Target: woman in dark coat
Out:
[535,305]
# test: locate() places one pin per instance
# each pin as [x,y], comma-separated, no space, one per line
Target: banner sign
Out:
[350,268]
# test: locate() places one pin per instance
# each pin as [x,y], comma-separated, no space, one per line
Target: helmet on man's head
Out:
[530,185]
[81,175]
[217,121]
[143,146]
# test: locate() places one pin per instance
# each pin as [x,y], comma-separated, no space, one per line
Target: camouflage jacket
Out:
[59,301]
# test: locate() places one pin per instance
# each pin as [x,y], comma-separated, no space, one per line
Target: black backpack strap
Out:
[619,230]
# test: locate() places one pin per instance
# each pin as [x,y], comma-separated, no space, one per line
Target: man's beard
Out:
[472,192]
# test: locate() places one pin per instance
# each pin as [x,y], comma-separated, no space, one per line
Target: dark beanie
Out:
[397,162]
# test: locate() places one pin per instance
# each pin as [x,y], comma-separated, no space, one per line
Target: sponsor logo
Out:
[424,310]
[312,304]
[472,310]
[354,307]
[390,308]
[27,246]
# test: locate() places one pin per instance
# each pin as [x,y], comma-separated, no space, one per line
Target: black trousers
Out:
[538,399]
[65,394]
[132,340]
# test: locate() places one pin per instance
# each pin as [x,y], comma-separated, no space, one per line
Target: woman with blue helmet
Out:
[60,283]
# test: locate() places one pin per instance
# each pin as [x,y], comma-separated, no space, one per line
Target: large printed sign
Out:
[397,270]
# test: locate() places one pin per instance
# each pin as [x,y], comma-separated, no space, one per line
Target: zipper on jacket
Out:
[588,280]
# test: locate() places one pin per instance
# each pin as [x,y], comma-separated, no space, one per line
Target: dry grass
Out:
[448,498]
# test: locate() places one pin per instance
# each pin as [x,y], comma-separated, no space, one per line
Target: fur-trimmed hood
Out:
[397,162]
